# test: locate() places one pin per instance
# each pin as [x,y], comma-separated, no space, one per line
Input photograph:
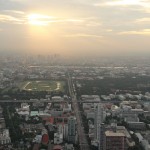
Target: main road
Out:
[80,129]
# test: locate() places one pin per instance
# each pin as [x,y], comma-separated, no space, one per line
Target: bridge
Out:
[50,101]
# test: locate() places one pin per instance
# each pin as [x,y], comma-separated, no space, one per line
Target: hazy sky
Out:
[86,27]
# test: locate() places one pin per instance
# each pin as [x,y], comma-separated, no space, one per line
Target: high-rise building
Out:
[103,129]
[99,118]
[114,141]
[72,130]
[65,131]
[115,137]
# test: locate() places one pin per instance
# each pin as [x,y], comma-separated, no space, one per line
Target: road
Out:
[80,129]
[45,101]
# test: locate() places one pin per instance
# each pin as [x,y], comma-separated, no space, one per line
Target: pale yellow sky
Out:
[75,27]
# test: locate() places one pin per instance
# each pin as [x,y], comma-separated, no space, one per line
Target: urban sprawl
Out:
[47,104]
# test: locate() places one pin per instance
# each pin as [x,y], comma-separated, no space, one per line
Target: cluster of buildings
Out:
[124,121]
[13,73]
[54,126]
[51,127]
[14,70]
[111,71]
[121,97]
[5,139]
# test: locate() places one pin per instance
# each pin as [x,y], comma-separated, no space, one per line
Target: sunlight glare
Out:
[39,20]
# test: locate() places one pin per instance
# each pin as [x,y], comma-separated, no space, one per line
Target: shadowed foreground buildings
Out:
[4,132]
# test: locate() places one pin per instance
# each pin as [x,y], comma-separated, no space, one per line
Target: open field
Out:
[43,85]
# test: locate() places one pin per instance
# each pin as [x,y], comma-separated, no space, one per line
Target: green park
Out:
[43,85]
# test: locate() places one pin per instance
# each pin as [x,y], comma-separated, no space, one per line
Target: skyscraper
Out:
[72,130]
[98,121]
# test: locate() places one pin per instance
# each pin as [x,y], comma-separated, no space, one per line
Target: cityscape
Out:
[48,106]
[74,74]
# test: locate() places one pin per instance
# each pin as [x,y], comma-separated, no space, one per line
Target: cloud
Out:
[11,19]
[20,17]
[141,3]
[41,19]
[139,32]
[89,22]
[14,11]
[12,16]
[83,35]
[73,20]
[143,20]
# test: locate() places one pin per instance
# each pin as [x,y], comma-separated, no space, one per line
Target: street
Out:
[81,133]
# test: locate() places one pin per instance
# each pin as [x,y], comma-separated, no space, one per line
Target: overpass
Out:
[50,101]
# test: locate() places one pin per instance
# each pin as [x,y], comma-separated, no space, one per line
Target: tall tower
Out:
[98,121]
[72,130]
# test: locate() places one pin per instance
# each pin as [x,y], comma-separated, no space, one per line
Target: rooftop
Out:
[116,134]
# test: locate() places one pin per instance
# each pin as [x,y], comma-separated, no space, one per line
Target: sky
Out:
[75,27]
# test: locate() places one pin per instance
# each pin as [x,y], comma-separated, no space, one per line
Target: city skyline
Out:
[73,27]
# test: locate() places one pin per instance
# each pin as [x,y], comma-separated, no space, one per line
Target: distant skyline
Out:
[75,27]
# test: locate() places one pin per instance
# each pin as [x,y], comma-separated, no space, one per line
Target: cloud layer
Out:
[102,27]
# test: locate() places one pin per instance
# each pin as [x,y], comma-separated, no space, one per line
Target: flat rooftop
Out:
[116,134]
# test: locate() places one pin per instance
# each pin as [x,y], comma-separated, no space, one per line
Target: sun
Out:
[39,19]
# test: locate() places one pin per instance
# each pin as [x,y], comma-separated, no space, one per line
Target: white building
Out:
[58,138]
[4,137]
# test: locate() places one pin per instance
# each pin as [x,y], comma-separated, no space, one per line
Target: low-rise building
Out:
[58,138]
[4,137]
[137,125]
[69,147]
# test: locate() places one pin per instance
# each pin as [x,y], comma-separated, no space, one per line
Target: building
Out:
[114,141]
[58,138]
[36,146]
[137,125]
[65,131]
[68,147]
[145,144]
[72,130]
[57,147]
[113,128]
[97,123]
[62,133]
[98,120]
[4,137]
[25,128]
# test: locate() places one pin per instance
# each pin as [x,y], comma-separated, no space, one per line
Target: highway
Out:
[80,129]
[56,101]
[49,101]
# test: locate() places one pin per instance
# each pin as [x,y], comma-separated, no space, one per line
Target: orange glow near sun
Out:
[39,19]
